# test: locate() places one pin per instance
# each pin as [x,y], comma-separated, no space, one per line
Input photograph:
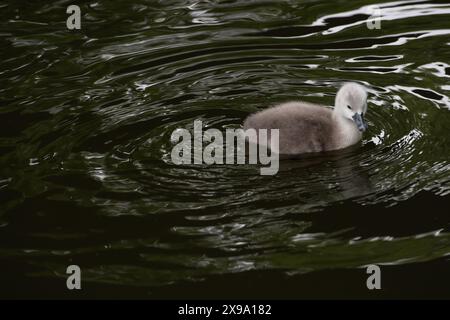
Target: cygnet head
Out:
[351,104]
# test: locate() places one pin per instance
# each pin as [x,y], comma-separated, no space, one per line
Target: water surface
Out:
[86,176]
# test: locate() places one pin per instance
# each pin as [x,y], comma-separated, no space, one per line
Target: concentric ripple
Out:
[86,172]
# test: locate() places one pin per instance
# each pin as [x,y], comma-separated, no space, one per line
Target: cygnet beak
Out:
[360,123]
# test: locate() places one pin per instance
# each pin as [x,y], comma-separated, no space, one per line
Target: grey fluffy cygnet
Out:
[306,127]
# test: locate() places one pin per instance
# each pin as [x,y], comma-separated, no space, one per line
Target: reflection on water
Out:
[86,175]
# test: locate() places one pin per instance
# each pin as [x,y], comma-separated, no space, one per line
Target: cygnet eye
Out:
[349,107]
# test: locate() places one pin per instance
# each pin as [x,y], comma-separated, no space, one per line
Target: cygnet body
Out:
[306,127]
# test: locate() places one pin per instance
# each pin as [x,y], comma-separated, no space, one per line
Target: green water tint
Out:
[86,117]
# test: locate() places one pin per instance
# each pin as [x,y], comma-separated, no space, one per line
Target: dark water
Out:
[86,176]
